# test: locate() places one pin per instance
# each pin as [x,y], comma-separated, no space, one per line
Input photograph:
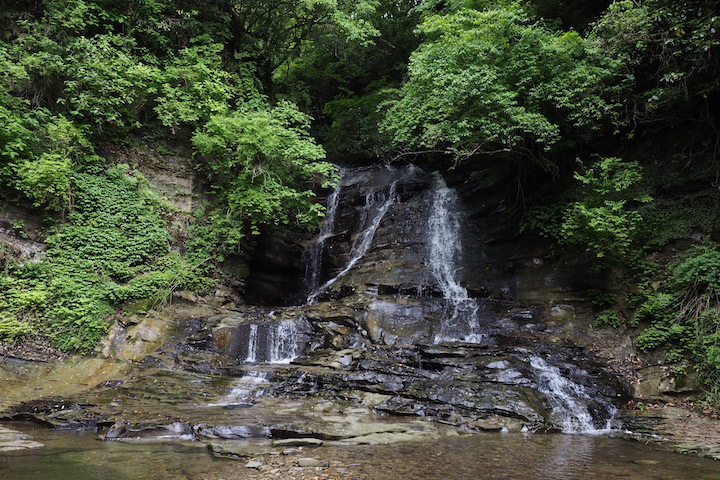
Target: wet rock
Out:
[705,449]
[487,425]
[12,445]
[237,451]
[376,336]
[262,337]
[186,295]
[232,432]
[173,431]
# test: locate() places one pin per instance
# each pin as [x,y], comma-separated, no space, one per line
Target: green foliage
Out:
[263,164]
[699,273]
[575,15]
[105,85]
[46,180]
[37,150]
[491,81]
[195,86]
[685,317]
[12,329]
[344,78]
[669,53]
[271,33]
[608,318]
[601,299]
[681,216]
[355,127]
[113,249]
[600,217]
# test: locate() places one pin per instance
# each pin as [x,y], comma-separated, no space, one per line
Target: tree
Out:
[599,215]
[669,54]
[263,166]
[494,81]
[268,33]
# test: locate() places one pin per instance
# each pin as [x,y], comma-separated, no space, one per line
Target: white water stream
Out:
[315,257]
[377,203]
[445,250]
[252,344]
[273,342]
[245,389]
[569,400]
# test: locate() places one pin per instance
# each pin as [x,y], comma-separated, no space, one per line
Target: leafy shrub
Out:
[601,299]
[686,318]
[46,180]
[194,87]
[12,328]
[608,318]
[114,248]
[600,216]
[263,164]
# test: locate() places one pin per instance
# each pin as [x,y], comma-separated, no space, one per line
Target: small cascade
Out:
[445,245]
[315,254]
[570,401]
[252,344]
[272,342]
[245,389]
[283,342]
[377,203]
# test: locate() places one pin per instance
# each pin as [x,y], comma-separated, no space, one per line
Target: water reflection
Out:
[570,456]
[75,456]
[544,457]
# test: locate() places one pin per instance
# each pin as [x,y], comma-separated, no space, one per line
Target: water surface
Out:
[80,456]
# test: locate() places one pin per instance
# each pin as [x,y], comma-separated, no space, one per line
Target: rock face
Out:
[432,308]
[21,234]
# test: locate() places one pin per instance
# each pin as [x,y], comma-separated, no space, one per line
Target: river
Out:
[80,456]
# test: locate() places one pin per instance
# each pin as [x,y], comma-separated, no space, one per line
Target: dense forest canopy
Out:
[562,94]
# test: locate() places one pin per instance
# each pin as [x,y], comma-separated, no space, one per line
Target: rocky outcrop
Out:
[384,317]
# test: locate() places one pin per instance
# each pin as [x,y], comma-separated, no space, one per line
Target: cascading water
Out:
[273,342]
[245,389]
[315,254]
[445,249]
[377,203]
[419,246]
[569,400]
[252,343]
[284,346]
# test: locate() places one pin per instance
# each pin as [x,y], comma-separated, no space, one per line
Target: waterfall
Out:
[283,342]
[376,206]
[245,389]
[445,249]
[314,262]
[252,344]
[568,399]
[274,342]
